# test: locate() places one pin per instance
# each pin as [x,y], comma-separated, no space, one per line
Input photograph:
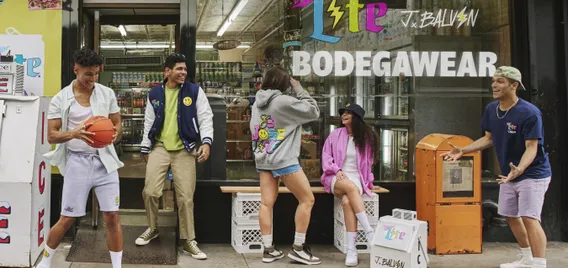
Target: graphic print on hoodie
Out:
[276,127]
[266,138]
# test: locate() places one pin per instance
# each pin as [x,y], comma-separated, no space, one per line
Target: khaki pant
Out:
[183,169]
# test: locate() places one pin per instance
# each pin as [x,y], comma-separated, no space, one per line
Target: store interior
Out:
[238,40]
[134,54]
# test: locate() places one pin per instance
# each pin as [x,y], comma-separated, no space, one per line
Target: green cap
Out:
[511,73]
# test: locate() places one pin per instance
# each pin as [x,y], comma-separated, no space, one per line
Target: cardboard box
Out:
[312,168]
[309,150]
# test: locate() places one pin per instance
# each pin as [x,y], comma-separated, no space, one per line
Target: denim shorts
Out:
[283,171]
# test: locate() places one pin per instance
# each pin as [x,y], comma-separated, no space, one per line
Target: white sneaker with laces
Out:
[525,261]
[351,258]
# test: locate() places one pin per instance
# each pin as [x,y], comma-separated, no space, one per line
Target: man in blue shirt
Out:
[514,127]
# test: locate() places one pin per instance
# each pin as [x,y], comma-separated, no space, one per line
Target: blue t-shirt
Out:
[522,122]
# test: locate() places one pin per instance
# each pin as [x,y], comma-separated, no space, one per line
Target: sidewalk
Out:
[225,256]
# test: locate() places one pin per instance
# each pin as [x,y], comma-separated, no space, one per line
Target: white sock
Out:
[351,239]
[362,217]
[116,258]
[540,261]
[267,240]
[527,252]
[47,257]
[299,239]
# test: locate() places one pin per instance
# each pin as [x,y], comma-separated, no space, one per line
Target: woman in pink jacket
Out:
[347,157]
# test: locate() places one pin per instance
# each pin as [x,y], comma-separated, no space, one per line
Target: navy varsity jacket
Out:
[195,117]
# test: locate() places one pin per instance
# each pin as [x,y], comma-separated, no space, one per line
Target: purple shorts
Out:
[523,199]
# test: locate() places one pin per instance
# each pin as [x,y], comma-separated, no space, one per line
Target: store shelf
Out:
[311,137]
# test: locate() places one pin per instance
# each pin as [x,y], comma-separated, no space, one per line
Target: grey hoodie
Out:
[276,127]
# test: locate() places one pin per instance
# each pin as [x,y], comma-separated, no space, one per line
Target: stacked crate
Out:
[371,204]
[245,229]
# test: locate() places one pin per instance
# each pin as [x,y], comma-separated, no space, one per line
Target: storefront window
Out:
[431,75]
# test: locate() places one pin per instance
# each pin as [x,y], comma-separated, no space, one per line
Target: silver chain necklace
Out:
[506,112]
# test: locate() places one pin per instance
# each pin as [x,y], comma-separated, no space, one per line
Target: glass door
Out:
[393,154]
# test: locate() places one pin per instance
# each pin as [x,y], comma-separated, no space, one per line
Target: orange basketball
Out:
[103,129]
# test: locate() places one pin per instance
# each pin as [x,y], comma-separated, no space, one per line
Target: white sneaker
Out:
[351,258]
[525,261]
[370,236]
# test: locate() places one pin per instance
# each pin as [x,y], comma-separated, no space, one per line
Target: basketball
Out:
[103,129]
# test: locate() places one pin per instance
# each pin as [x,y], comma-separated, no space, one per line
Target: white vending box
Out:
[400,242]
[25,179]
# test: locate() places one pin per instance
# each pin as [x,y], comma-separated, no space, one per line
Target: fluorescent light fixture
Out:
[134,46]
[122,30]
[211,46]
[232,17]
[155,45]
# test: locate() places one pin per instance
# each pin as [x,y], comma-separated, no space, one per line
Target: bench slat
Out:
[283,189]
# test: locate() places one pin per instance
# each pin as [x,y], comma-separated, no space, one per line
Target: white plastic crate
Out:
[246,237]
[340,238]
[371,204]
[404,214]
[246,207]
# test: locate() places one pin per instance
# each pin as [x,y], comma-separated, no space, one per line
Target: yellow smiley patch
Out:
[187,101]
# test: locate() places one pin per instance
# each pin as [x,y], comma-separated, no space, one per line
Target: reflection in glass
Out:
[393,163]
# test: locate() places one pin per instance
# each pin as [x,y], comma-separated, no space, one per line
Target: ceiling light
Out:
[232,17]
[134,46]
[122,30]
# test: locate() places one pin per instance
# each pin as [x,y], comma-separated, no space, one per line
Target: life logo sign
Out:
[31,63]
[374,11]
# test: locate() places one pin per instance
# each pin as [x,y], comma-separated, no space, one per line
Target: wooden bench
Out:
[283,189]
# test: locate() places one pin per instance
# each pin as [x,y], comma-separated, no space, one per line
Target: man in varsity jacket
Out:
[177,117]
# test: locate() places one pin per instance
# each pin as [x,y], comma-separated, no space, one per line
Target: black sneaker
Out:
[303,254]
[271,254]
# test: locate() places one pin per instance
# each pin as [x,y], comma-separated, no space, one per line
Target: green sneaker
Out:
[192,249]
[147,236]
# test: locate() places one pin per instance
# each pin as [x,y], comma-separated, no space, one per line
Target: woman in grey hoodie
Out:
[280,109]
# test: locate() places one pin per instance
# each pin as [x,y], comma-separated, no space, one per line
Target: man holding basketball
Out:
[177,117]
[83,163]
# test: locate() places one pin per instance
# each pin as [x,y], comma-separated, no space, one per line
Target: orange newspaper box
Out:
[448,195]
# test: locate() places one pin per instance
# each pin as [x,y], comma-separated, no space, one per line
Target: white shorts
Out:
[83,172]
[357,183]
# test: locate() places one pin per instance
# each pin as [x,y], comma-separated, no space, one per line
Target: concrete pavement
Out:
[225,256]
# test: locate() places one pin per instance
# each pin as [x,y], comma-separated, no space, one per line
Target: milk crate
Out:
[340,238]
[371,204]
[246,237]
[246,206]
[404,214]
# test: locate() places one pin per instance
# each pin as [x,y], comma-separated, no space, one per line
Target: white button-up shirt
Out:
[103,102]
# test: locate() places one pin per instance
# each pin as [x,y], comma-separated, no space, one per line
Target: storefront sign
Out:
[226,44]
[413,63]
[374,11]
[444,18]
